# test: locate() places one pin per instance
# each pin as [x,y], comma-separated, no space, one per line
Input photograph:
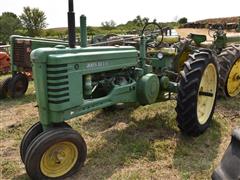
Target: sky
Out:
[121,11]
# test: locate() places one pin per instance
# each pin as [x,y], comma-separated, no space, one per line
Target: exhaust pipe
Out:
[71,25]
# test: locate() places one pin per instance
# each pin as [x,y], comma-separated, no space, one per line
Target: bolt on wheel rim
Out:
[233,81]
[206,93]
[59,159]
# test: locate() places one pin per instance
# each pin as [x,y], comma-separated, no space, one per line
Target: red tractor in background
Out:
[4,59]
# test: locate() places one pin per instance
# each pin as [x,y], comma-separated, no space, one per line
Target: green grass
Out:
[133,143]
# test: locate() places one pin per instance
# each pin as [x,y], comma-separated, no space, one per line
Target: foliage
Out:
[140,21]
[108,25]
[183,20]
[9,24]
[34,20]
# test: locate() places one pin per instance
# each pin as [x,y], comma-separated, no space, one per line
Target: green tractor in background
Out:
[228,56]
[177,49]
[21,66]
[72,81]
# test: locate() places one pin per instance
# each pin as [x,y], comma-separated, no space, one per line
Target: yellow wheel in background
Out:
[229,71]
[55,154]
[182,59]
[59,159]
[233,80]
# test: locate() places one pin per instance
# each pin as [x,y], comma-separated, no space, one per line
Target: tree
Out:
[183,20]
[9,25]
[108,25]
[145,20]
[139,21]
[34,20]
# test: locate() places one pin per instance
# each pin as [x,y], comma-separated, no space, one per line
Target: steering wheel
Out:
[152,31]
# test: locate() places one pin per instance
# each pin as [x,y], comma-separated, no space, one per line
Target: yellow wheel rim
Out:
[182,59]
[59,159]
[206,93]
[233,81]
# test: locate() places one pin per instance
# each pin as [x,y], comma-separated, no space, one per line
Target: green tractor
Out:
[21,66]
[72,81]
[178,50]
[228,57]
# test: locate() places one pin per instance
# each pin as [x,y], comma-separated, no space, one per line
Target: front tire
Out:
[197,93]
[32,133]
[55,154]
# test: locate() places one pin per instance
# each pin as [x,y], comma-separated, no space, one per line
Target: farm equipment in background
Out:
[220,39]
[73,81]
[4,67]
[4,59]
[170,37]
[21,66]
[229,167]
[114,39]
[228,56]
[228,60]
[238,27]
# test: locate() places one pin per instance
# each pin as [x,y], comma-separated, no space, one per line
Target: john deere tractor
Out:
[228,57]
[72,81]
[21,66]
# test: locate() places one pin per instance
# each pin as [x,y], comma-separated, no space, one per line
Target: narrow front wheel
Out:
[55,154]
[32,133]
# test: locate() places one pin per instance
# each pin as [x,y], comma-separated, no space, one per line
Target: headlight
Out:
[160,55]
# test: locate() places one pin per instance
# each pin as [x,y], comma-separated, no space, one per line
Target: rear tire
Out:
[18,85]
[4,87]
[197,93]
[55,154]
[229,62]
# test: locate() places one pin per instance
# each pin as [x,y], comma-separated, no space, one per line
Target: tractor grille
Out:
[21,53]
[57,82]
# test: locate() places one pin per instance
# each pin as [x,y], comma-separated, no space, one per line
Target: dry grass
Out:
[134,143]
